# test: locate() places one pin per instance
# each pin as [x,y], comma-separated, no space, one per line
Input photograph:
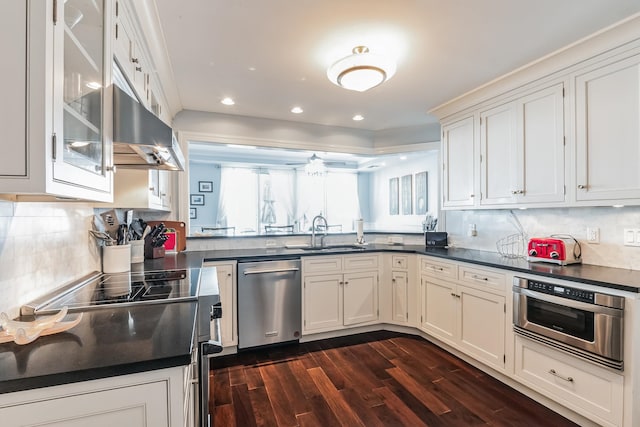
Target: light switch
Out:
[629,235]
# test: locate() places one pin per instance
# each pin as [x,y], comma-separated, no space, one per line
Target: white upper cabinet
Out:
[56,68]
[499,166]
[522,146]
[608,132]
[458,154]
[540,146]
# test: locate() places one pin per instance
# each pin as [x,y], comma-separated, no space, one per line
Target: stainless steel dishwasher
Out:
[269,302]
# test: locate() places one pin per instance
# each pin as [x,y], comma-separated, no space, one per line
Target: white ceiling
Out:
[270,55]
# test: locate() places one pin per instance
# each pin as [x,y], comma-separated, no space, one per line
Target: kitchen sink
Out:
[328,248]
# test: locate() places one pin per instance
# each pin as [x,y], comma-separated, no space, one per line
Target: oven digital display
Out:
[562,291]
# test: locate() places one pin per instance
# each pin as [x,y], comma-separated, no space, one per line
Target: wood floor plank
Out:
[427,398]
[329,368]
[242,407]
[253,377]
[309,419]
[237,376]
[262,409]
[397,406]
[362,407]
[292,388]
[282,407]
[219,383]
[375,379]
[334,399]
[223,416]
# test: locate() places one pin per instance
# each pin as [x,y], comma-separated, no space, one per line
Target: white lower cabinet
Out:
[400,296]
[227,285]
[594,392]
[342,296]
[149,399]
[470,318]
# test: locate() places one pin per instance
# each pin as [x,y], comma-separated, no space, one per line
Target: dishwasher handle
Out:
[277,270]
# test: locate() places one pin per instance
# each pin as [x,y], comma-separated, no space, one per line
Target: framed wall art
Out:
[422,195]
[407,194]
[205,186]
[394,196]
[193,213]
[197,199]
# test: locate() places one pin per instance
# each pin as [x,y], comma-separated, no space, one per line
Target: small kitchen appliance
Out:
[436,239]
[561,250]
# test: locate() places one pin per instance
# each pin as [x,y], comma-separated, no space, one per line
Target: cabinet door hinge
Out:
[55,12]
[564,141]
[53,146]
[563,92]
[505,307]
[564,191]
[378,313]
[116,31]
[480,158]
[117,8]
[504,358]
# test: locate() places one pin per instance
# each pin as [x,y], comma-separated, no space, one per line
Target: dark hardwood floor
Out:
[374,379]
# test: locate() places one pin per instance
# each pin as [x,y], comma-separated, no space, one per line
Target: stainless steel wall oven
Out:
[585,323]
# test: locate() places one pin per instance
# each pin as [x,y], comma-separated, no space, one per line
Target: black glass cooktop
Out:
[128,288]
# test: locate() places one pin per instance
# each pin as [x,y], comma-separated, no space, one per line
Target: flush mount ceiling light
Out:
[362,70]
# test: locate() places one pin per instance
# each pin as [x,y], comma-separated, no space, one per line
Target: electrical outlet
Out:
[631,237]
[271,243]
[593,235]
[472,231]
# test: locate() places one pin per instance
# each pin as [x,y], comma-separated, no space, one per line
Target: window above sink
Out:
[266,191]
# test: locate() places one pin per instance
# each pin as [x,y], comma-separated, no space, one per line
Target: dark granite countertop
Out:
[124,340]
[106,343]
[613,278]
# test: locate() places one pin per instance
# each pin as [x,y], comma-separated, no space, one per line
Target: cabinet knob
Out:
[111,169]
[138,68]
[472,195]
[135,60]
[582,187]
[152,189]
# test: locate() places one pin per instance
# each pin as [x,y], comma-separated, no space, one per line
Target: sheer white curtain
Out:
[239,198]
[282,193]
[310,198]
[342,204]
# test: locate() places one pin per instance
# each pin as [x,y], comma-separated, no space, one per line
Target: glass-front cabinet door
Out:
[82,149]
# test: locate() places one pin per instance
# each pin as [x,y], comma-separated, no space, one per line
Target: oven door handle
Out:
[570,303]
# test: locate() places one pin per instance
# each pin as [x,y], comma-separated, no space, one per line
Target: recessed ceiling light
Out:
[252,68]
[358,117]
[403,157]
[297,110]
[227,101]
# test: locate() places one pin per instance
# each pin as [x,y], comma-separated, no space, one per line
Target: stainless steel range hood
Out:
[140,139]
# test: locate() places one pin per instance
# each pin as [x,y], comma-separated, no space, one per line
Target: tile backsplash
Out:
[43,246]
[493,225]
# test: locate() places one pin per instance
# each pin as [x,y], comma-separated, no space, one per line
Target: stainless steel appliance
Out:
[584,323]
[102,291]
[269,302]
[140,139]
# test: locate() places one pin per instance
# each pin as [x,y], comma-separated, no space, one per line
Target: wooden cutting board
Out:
[181,232]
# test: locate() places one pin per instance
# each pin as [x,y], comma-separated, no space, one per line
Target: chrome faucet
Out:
[318,218]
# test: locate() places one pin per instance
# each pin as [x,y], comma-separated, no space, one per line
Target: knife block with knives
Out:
[154,242]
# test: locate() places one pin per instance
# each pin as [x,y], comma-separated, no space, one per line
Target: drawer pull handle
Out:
[437,268]
[555,374]
[475,276]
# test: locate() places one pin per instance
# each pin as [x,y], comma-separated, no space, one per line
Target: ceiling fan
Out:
[315,159]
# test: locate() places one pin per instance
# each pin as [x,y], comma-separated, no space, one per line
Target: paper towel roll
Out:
[360,232]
